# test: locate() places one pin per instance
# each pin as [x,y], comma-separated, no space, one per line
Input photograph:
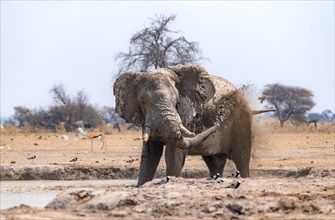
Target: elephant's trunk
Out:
[199,138]
[165,123]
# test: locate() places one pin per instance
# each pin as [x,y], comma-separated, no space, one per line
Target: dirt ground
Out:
[292,177]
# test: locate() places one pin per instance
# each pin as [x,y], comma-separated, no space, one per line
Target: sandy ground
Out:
[303,189]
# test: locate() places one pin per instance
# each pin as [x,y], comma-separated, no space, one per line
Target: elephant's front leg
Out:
[175,159]
[151,154]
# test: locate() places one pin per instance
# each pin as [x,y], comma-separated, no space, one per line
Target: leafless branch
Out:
[158,46]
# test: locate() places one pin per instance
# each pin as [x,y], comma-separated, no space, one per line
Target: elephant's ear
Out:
[126,104]
[195,89]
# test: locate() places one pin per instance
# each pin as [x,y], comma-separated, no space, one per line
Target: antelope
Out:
[97,135]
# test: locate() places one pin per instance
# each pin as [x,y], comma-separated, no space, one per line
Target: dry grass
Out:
[273,125]
[273,147]
[292,146]
[9,129]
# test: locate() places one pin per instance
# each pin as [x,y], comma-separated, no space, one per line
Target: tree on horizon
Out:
[290,102]
[158,46]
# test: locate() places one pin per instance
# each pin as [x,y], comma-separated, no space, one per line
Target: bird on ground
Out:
[235,174]
[74,160]
[214,177]
[130,161]
[234,185]
[165,180]
[32,158]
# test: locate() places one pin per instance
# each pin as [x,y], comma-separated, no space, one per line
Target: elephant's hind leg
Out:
[151,155]
[242,160]
[242,141]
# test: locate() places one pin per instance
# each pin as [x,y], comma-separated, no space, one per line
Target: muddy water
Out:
[34,199]
[40,193]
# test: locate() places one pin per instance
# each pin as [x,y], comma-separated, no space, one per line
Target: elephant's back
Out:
[226,104]
[223,87]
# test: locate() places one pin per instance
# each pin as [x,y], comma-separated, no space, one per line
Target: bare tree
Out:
[66,109]
[289,102]
[66,106]
[81,101]
[59,93]
[158,46]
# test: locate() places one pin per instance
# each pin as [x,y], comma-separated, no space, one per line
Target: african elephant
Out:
[172,104]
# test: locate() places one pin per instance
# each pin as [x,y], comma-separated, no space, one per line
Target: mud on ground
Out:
[307,197]
[292,178]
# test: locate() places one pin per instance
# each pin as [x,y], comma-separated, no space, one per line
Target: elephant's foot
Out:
[245,174]
[243,167]
[151,154]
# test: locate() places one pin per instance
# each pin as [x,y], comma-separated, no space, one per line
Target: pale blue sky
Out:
[256,42]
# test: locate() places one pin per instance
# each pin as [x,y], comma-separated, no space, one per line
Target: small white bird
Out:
[165,180]
[64,138]
[214,177]
[235,174]
[32,158]
[234,185]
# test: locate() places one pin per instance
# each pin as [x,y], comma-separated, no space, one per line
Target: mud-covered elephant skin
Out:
[175,103]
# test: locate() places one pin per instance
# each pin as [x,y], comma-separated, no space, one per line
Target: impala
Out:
[97,135]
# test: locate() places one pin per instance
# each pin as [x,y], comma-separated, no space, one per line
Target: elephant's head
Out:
[155,100]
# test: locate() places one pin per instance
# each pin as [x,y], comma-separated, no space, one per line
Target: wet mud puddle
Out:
[40,193]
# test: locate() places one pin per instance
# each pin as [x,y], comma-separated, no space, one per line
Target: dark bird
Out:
[32,158]
[234,185]
[74,160]
[235,174]
[130,161]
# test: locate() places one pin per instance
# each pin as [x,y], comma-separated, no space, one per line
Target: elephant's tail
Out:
[257,112]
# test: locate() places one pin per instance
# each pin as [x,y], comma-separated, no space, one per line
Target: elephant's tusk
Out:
[186,132]
[146,134]
[191,142]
